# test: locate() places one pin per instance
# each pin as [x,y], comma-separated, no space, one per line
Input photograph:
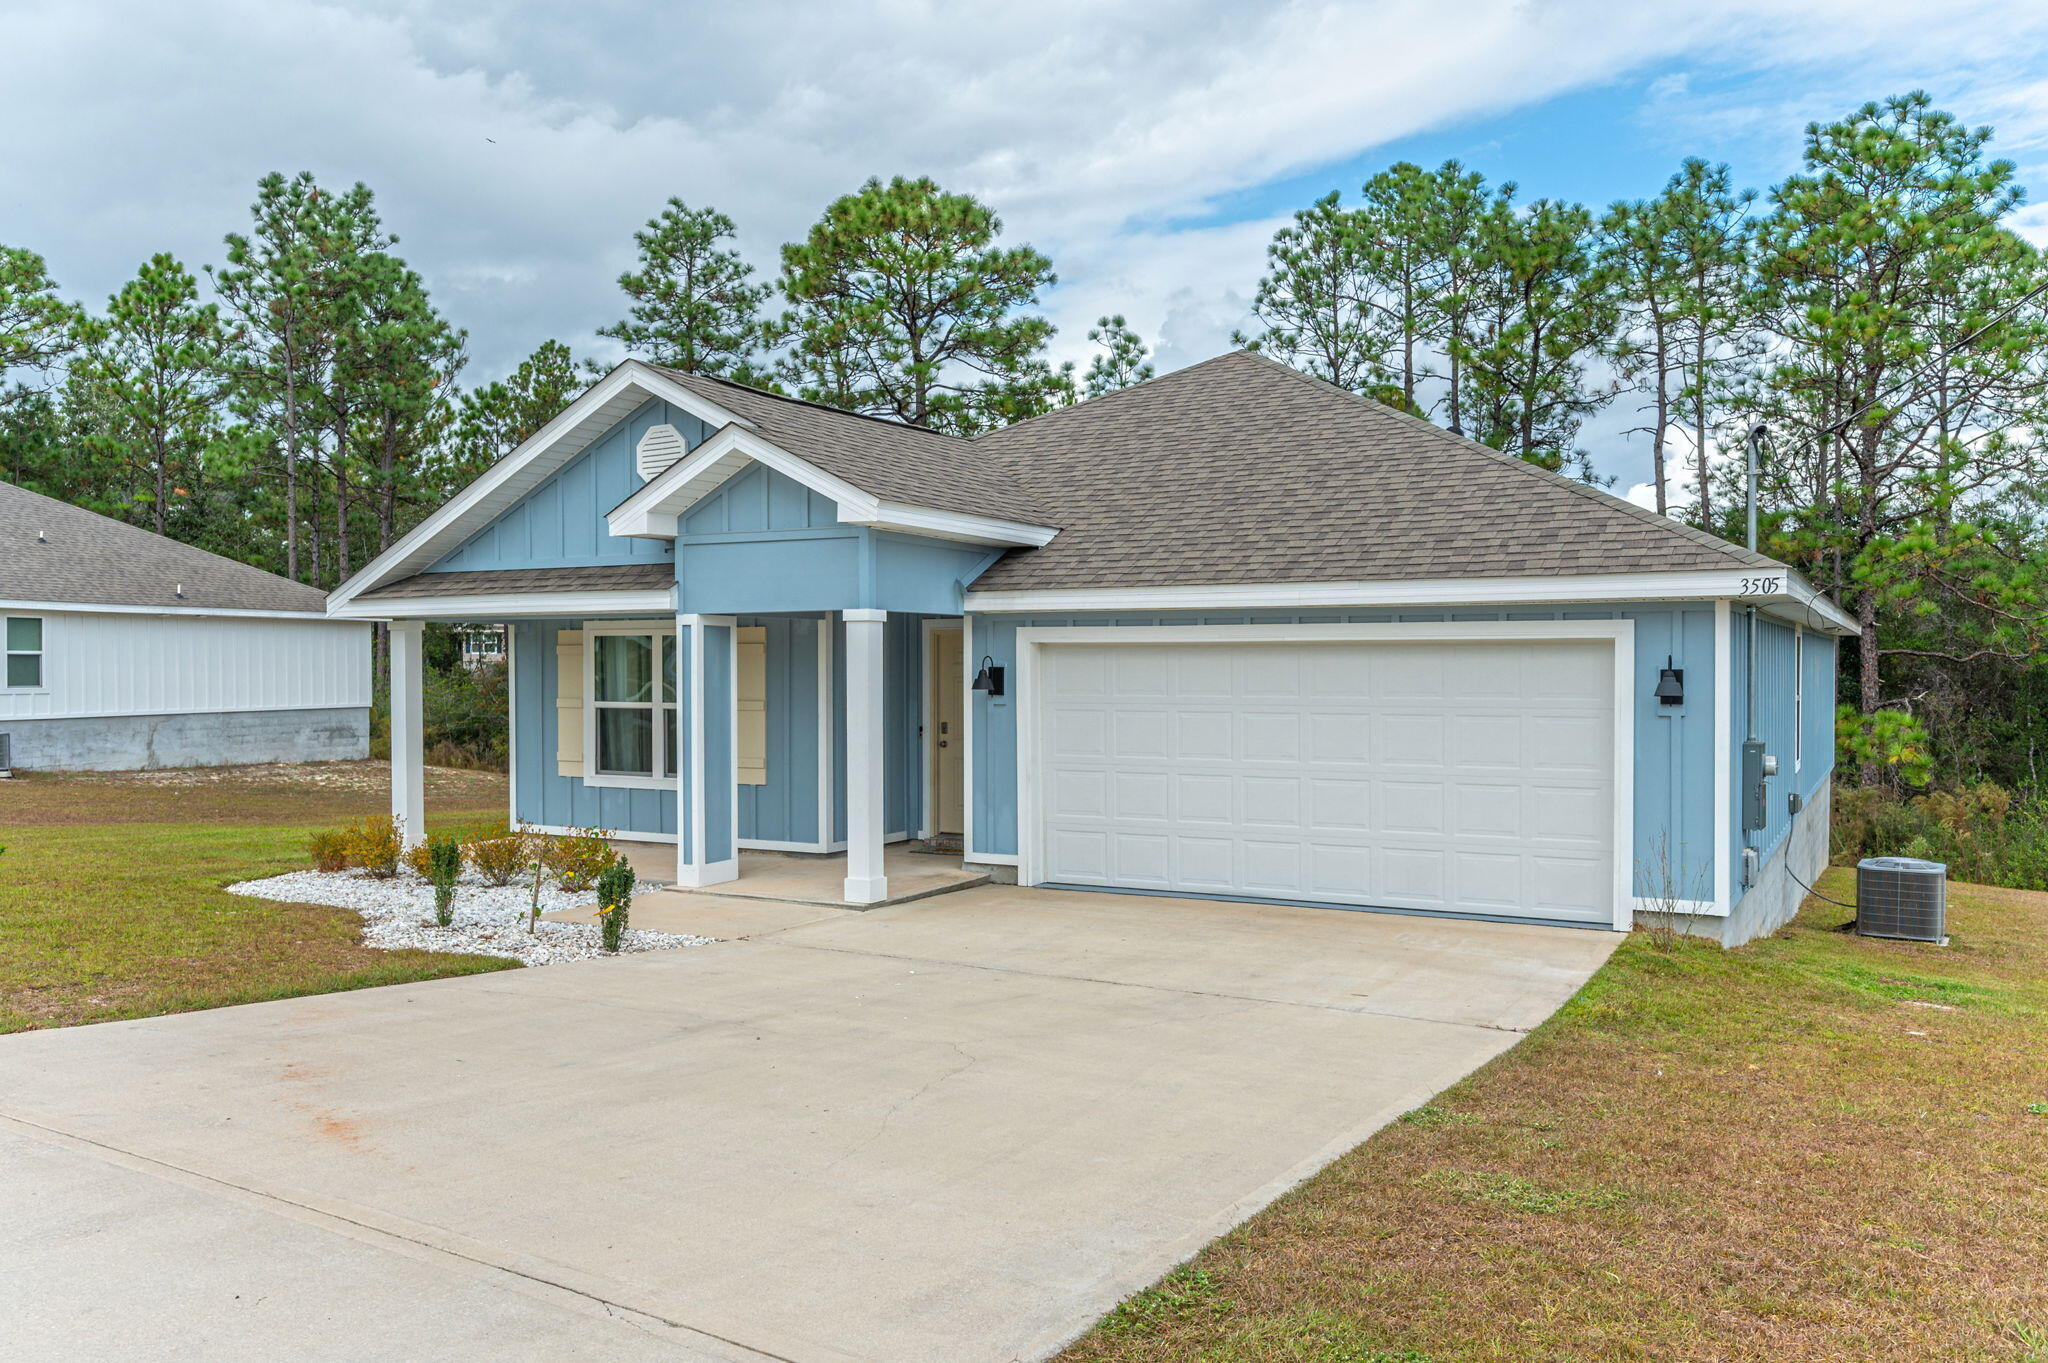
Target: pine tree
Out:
[1122,361]
[1311,303]
[693,307]
[903,305]
[154,364]
[497,418]
[37,328]
[1543,310]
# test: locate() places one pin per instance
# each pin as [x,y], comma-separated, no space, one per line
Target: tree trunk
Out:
[1699,426]
[1663,419]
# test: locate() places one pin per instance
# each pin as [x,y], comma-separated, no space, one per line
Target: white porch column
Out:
[707,805]
[408,765]
[866,821]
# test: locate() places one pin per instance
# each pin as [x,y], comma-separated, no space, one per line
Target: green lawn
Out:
[111,903]
[1814,1147]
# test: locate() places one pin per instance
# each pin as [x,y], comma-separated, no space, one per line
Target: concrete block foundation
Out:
[148,742]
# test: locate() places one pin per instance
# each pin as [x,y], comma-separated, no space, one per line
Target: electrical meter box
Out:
[1758,767]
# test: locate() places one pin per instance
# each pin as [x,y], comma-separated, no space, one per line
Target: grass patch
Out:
[1817,1147]
[111,898]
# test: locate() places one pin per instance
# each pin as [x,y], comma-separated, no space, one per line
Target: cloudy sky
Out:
[1149,148]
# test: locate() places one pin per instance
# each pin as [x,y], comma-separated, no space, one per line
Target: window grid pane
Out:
[24,634]
[625,668]
[625,741]
[24,669]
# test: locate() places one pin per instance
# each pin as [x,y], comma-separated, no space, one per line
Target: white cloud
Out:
[515,145]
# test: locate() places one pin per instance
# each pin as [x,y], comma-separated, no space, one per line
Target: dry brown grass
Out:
[1815,1147]
[111,903]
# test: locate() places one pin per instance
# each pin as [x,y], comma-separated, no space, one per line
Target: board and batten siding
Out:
[1674,745]
[106,663]
[560,524]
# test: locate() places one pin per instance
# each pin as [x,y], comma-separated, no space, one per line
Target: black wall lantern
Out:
[1671,684]
[990,677]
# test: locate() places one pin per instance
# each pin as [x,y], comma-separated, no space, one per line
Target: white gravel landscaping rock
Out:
[490,920]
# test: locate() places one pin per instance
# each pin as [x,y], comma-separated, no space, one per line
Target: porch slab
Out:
[722,917]
[819,881]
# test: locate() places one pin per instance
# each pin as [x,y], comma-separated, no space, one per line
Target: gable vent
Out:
[660,447]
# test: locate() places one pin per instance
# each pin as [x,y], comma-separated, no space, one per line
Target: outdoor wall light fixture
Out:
[990,677]
[1671,684]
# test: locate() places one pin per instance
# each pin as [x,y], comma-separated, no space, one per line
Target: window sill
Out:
[617,782]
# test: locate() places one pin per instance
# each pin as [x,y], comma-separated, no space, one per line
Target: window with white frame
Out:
[24,647]
[1798,697]
[631,705]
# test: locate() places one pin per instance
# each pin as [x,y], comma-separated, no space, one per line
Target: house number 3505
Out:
[1762,586]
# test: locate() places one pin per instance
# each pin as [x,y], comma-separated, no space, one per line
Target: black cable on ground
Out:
[1818,895]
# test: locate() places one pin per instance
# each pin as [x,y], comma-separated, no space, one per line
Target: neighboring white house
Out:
[127,650]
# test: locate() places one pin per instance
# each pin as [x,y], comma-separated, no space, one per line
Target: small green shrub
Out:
[375,844]
[329,850]
[498,860]
[1983,832]
[576,859]
[614,901]
[444,868]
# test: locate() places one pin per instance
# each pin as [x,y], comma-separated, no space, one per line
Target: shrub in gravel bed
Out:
[575,859]
[329,850]
[614,901]
[375,844]
[444,868]
[498,860]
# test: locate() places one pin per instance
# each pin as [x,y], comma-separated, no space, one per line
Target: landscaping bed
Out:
[489,920]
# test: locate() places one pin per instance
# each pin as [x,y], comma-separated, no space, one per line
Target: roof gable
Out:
[559,523]
[54,552]
[1240,469]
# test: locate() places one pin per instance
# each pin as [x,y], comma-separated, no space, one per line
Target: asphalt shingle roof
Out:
[56,552]
[1241,470]
[613,577]
[884,458]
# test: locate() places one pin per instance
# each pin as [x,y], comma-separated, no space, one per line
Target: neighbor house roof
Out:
[1242,470]
[883,458]
[610,577]
[54,552]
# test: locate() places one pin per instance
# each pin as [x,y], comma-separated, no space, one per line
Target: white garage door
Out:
[1462,777]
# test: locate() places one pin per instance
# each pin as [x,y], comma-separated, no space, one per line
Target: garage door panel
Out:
[1467,777]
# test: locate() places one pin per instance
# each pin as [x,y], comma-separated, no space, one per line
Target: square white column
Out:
[408,763]
[707,803]
[865,817]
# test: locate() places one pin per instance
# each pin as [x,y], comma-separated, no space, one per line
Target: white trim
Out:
[512,730]
[928,719]
[969,664]
[1618,634]
[860,615]
[512,605]
[867,655]
[603,780]
[89,608]
[732,748]
[1724,754]
[1773,585]
[1697,908]
[608,401]
[656,510]
[698,872]
[992,858]
[827,806]
[408,763]
[947,525]
[1798,698]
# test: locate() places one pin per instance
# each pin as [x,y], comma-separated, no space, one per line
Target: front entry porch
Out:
[795,757]
[793,878]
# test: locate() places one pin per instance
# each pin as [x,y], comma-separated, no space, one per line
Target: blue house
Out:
[1231,633]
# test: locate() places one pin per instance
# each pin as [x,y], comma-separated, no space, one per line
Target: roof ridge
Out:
[891,422]
[1101,398]
[1600,496]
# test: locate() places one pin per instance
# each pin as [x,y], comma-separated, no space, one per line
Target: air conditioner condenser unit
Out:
[1902,897]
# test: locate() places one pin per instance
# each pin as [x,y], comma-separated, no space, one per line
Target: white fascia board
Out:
[90,608]
[514,605]
[1759,585]
[655,510]
[948,525]
[605,403]
[1805,604]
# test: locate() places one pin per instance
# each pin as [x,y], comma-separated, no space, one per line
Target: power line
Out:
[2024,299]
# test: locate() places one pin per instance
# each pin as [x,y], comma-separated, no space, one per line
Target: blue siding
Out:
[541,795]
[783,810]
[786,808]
[1674,745]
[756,499]
[718,749]
[1779,710]
[560,524]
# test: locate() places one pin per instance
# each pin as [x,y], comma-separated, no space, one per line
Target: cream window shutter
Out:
[569,702]
[751,697]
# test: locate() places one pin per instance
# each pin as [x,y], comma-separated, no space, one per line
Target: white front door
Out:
[1470,777]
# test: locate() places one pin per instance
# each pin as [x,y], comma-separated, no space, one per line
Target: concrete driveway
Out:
[957,1129]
